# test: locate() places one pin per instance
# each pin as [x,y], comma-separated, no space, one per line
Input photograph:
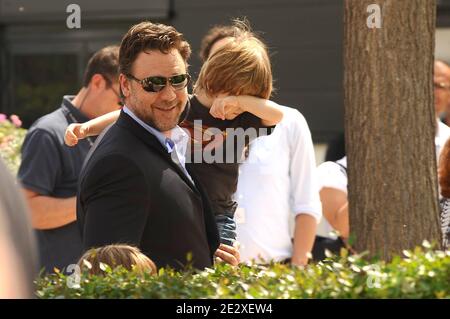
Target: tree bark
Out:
[390,125]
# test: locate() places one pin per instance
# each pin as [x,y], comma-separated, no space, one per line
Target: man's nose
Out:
[168,93]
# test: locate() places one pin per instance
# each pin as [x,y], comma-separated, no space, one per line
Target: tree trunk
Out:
[390,125]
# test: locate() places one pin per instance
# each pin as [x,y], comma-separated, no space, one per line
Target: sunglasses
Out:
[158,83]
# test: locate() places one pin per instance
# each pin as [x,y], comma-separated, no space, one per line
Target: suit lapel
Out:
[151,141]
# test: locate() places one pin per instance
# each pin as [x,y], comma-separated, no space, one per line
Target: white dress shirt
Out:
[333,175]
[276,182]
[177,142]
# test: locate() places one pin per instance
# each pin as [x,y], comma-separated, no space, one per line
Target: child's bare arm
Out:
[228,107]
[78,131]
[268,111]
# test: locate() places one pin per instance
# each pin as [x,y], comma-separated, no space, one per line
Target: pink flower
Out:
[3,117]
[15,120]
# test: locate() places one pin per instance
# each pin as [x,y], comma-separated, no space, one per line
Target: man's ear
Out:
[124,86]
[98,81]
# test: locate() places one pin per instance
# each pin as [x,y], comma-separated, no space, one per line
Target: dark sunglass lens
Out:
[177,79]
[157,80]
[155,84]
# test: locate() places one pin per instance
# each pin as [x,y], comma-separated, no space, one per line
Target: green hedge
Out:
[422,273]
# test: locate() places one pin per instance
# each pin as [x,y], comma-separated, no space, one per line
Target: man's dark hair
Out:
[240,27]
[150,36]
[104,62]
[215,34]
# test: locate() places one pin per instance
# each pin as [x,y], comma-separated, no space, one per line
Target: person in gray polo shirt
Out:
[49,169]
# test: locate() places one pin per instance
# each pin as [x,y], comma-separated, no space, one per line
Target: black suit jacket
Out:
[130,191]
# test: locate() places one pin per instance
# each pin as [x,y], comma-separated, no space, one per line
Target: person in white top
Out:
[333,181]
[332,177]
[277,189]
[333,230]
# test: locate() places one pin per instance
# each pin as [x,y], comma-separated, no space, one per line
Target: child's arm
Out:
[229,107]
[268,111]
[78,131]
[304,235]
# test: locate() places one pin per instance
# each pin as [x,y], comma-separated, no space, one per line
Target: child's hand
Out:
[226,107]
[75,132]
[228,254]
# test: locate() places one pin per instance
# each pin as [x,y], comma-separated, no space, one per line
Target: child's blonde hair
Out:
[131,258]
[240,67]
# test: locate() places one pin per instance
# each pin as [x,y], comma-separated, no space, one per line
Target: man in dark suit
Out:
[134,188]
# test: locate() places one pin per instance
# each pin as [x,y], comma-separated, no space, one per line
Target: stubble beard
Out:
[157,119]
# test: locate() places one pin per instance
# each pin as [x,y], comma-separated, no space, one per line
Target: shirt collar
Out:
[166,142]
[68,107]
